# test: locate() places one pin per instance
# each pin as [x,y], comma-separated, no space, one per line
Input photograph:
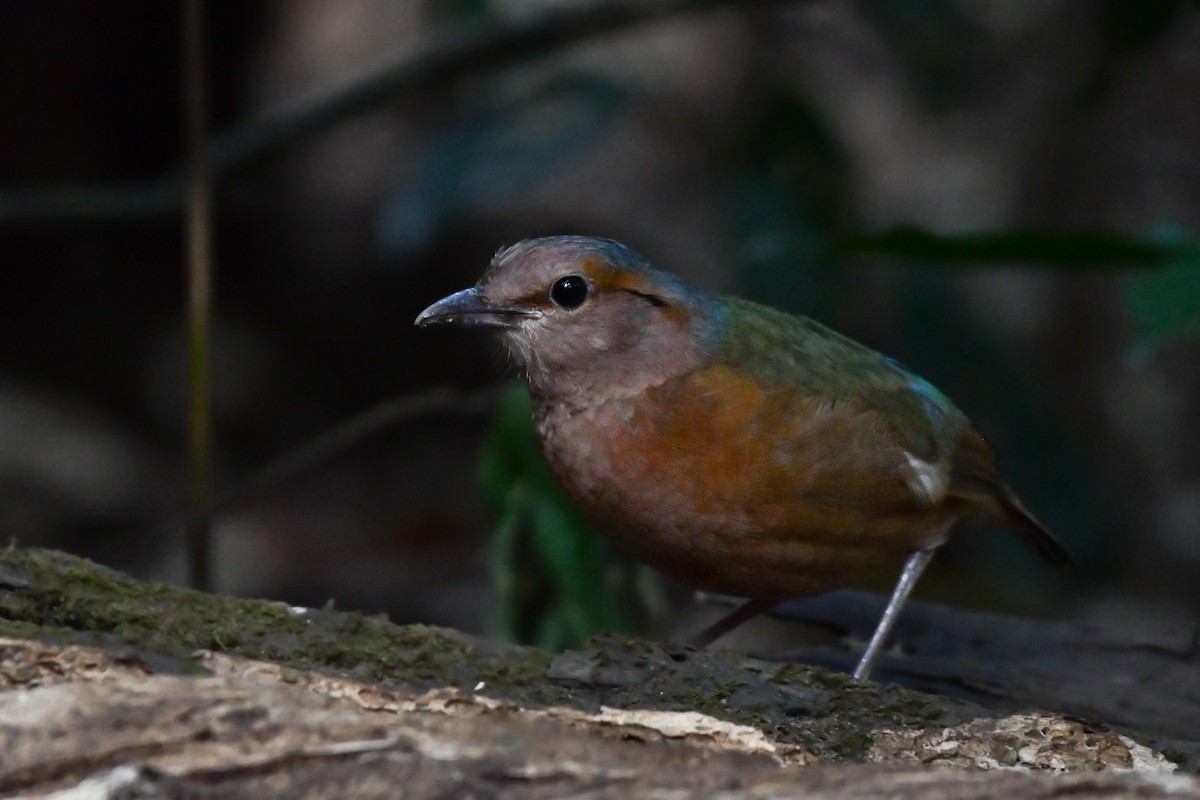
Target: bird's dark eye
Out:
[569,291]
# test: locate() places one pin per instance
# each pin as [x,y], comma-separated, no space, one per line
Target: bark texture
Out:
[107,692]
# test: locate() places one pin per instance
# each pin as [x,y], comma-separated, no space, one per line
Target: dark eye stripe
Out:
[652,299]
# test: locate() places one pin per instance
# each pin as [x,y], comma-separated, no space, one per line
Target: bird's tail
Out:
[1026,526]
[973,477]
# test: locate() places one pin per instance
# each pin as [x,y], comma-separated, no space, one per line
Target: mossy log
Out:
[132,689]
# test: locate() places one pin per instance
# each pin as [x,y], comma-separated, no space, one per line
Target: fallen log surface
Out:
[110,687]
[1146,680]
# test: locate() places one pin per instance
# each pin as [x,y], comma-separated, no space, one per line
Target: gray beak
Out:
[469,307]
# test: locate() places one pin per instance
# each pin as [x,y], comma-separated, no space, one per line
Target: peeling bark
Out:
[104,693]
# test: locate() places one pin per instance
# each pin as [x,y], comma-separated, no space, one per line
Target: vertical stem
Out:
[198,238]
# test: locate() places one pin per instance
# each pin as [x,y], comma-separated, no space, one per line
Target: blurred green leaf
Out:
[503,560]
[1165,302]
[556,580]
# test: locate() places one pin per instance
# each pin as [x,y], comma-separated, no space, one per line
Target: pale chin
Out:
[519,344]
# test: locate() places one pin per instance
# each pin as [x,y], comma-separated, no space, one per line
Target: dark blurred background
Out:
[748,146]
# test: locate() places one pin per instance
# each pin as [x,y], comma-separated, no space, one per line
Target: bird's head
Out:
[585,315]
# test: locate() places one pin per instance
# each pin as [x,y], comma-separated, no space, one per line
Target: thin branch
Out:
[198,232]
[436,67]
[349,433]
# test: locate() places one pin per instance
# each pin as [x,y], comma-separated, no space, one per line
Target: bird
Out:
[736,447]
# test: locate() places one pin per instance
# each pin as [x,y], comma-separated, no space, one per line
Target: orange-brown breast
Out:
[735,487]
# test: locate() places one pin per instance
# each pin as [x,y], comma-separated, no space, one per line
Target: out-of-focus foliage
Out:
[1133,22]
[494,154]
[934,38]
[1082,249]
[964,186]
[556,581]
[463,10]
[782,196]
[1163,294]
[1165,302]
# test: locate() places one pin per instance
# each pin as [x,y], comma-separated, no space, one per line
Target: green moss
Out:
[827,713]
[67,599]
[67,596]
[847,712]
